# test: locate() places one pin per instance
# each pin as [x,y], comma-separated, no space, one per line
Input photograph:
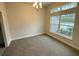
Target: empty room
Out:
[39,29]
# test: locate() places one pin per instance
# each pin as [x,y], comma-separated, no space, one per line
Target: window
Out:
[55,10]
[63,23]
[67,24]
[64,7]
[54,21]
[68,6]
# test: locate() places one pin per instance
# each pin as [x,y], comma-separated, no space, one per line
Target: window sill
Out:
[62,35]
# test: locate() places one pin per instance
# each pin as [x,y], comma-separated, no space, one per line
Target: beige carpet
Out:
[41,45]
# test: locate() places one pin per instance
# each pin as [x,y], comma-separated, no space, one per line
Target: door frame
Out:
[3,30]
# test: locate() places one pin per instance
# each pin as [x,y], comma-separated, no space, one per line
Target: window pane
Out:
[55,9]
[67,24]
[54,22]
[69,6]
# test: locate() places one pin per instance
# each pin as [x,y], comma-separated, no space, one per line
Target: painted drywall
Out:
[24,20]
[4,24]
[75,40]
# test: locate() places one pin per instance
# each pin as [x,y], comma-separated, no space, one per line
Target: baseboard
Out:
[8,43]
[26,36]
[71,45]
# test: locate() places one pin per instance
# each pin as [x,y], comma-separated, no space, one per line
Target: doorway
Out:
[2,33]
[1,37]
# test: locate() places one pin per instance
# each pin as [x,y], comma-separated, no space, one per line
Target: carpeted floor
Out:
[41,45]
[1,50]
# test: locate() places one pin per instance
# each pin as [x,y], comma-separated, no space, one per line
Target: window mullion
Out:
[59,25]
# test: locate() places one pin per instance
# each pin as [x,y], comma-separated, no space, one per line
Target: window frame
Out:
[61,12]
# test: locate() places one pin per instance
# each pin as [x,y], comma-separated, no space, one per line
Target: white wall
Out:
[24,20]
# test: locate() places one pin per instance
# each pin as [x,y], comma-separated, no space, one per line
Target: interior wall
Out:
[24,20]
[75,40]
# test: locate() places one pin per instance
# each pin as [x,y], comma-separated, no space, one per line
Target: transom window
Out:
[64,7]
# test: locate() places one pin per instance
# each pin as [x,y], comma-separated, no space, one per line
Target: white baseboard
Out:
[26,36]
